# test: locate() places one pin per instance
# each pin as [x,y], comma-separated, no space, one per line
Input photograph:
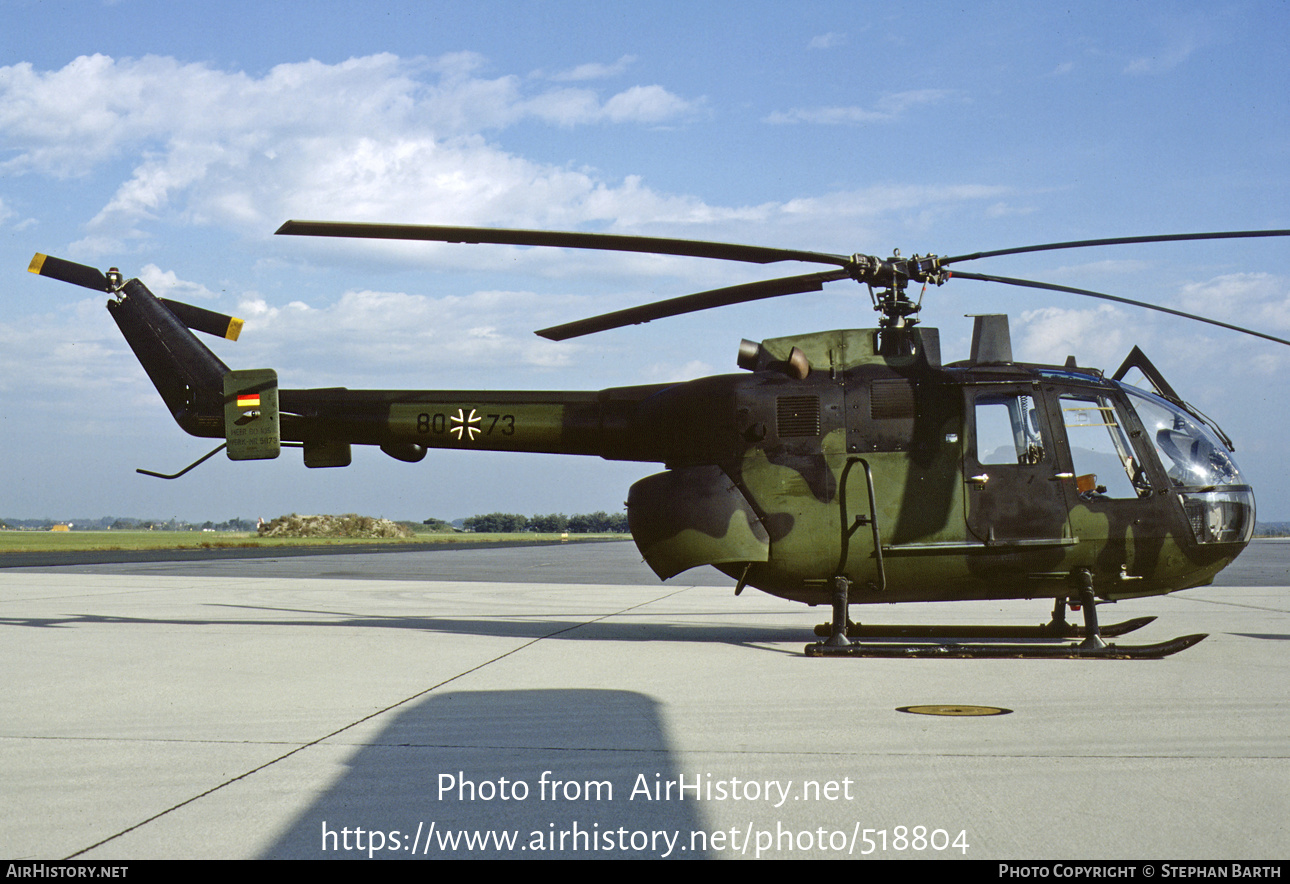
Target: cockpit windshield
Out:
[1218,504]
[1192,455]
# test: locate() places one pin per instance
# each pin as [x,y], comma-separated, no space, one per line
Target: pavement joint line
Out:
[369,717]
[1233,604]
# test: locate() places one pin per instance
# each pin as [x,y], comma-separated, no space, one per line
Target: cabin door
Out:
[1012,485]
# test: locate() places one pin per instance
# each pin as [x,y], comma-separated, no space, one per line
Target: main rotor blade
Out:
[958,274]
[1116,241]
[733,294]
[570,240]
[69,271]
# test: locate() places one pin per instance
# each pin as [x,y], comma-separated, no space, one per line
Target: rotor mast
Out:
[891,277]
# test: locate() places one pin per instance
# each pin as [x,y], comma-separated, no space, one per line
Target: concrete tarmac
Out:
[558,701]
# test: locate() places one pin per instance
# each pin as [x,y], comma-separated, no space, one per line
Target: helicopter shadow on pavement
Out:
[527,774]
[624,626]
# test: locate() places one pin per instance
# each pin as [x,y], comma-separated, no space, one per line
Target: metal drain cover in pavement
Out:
[954,710]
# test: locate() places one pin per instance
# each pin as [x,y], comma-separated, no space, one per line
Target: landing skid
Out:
[840,631]
[1001,651]
[1046,631]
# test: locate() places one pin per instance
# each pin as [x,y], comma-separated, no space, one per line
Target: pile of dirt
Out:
[349,526]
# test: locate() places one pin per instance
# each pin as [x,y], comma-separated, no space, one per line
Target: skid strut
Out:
[1092,634]
[1058,625]
[838,628]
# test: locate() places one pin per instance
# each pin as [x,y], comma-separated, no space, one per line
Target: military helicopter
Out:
[844,467]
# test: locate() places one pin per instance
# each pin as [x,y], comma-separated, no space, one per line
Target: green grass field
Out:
[69,541]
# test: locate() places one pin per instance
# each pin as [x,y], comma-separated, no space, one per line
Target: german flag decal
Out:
[251,414]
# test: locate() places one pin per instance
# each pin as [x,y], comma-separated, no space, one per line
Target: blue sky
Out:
[172,145]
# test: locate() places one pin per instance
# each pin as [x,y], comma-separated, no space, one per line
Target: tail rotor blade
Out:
[69,271]
[203,320]
[197,318]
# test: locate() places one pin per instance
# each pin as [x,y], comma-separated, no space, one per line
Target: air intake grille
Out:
[797,416]
[891,400]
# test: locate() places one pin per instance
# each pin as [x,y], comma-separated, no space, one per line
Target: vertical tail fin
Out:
[189,377]
[205,397]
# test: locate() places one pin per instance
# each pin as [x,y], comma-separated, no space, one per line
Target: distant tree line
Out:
[553,523]
[491,523]
[114,523]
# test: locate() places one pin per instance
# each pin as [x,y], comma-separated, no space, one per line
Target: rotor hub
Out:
[892,276]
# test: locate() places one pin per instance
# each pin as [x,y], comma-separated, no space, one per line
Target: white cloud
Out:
[645,104]
[1112,267]
[376,136]
[595,70]
[167,284]
[458,64]
[890,107]
[74,351]
[1095,336]
[1165,59]
[827,41]
[882,199]
[1182,36]
[370,336]
[667,373]
[386,139]
[1004,209]
[1260,301]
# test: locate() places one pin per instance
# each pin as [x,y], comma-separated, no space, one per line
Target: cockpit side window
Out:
[1007,430]
[1104,461]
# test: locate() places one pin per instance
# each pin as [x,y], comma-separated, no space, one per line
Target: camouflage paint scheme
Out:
[828,458]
